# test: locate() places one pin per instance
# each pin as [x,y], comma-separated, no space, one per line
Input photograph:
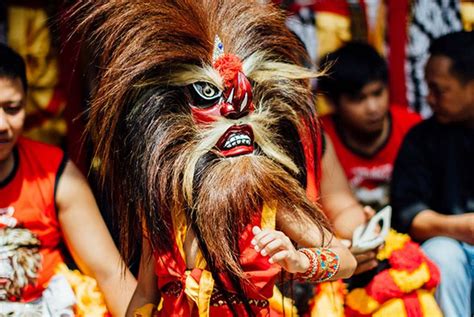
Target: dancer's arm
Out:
[89,240]
[146,291]
[278,246]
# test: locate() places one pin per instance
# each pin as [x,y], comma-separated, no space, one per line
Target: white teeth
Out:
[244,103]
[237,139]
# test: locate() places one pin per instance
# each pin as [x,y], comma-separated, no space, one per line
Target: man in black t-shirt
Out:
[433,179]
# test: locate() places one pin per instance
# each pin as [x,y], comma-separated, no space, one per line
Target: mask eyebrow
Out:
[262,67]
[188,74]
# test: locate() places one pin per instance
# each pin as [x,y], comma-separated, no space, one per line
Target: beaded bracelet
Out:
[329,263]
[313,265]
[323,265]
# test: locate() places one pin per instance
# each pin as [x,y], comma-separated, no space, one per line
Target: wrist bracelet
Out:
[328,262]
[313,264]
[323,265]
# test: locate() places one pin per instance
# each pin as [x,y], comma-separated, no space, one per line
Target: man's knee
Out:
[454,292]
[451,260]
[446,252]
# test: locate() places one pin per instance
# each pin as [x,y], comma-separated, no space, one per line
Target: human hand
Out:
[367,260]
[279,248]
[369,212]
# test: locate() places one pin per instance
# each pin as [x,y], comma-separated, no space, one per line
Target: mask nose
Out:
[238,98]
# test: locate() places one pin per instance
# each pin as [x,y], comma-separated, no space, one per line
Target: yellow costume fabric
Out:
[89,300]
[467,14]
[29,35]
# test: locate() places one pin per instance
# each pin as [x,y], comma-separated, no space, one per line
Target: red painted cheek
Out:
[208,115]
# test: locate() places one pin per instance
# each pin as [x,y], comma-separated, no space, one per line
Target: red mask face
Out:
[235,102]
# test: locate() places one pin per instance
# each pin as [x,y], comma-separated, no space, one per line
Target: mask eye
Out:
[205,94]
[206,90]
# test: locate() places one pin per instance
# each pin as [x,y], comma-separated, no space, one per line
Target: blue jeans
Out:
[455,261]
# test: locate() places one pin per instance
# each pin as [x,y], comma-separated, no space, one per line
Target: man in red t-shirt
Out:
[365,133]
[365,129]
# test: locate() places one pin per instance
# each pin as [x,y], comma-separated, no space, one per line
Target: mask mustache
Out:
[262,124]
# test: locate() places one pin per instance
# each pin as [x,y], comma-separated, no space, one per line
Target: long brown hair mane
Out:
[152,160]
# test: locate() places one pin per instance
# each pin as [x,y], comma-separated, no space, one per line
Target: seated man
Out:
[366,132]
[44,202]
[365,129]
[433,179]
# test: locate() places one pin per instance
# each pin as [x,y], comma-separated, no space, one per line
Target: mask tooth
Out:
[244,103]
[231,96]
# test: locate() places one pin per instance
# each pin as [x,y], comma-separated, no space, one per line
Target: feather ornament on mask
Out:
[182,126]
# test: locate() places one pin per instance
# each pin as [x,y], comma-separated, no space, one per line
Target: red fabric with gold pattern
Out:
[171,268]
[28,218]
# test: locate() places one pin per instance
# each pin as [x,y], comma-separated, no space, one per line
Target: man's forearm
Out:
[343,228]
[428,224]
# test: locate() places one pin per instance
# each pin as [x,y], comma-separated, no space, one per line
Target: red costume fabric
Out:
[172,274]
[313,154]
[369,176]
[397,41]
[29,221]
